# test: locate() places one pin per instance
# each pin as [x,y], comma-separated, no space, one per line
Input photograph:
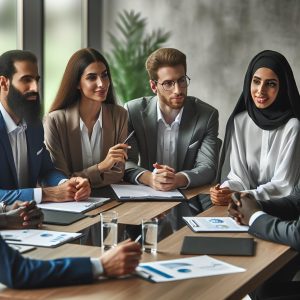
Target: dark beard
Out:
[29,110]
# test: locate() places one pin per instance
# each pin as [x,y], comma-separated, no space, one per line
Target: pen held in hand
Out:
[138,238]
[129,136]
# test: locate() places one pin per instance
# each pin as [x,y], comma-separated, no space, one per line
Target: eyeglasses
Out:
[169,85]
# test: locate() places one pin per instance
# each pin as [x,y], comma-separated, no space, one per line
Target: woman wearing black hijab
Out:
[263,133]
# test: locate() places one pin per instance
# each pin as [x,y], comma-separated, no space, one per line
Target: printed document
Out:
[204,224]
[21,248]
[37,237]
[185,268]
[128,191]
[75,206]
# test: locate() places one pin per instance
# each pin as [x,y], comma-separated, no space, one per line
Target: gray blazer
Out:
[281,223]
[197,153]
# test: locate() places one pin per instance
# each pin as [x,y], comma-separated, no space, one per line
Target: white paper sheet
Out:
[124,192]
[185,268]
[37,237]
[21,248]
[75,206]
[204,224]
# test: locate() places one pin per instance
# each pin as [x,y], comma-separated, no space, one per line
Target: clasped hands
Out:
[242,206]
[22,215]
[76,188]
[163,178]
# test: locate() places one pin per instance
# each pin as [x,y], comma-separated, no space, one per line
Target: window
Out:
[8,25]
[63,36]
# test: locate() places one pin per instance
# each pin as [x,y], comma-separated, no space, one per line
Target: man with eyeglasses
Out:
[175,136]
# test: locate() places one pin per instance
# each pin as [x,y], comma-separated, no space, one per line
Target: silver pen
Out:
[129,136]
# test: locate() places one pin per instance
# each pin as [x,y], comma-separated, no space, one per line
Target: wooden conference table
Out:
[268,259]
[130,213]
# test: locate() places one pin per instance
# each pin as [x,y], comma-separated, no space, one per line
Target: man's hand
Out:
[83,188]
[243,206]
[220,196]
[163,178]
[23,215]
[76,188]
[122,259]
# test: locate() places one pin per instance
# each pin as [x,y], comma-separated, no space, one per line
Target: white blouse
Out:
[264,163]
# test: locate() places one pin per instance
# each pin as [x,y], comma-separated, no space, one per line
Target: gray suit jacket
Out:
[281,223]
[197,153]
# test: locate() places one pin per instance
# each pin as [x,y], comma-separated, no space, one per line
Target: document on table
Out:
[185,268]
[75,206]
[205,224]
[127,192]
[21,248]
[38,237]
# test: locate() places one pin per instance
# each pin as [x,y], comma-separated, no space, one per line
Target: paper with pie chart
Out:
[214,224]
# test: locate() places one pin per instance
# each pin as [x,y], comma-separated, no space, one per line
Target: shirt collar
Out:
[160,117]
[99,120]
[9,122]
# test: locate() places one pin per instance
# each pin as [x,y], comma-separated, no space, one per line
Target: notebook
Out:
[218,246]
[55,217]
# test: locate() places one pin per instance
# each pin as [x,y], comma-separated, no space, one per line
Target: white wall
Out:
[219,38]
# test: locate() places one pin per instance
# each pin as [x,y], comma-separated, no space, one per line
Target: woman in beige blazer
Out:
[85,128]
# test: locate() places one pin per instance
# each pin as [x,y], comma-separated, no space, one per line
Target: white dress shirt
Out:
[264,162]
[167,139]
[18,143]
[91,148]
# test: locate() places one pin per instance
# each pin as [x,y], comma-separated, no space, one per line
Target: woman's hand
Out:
[220,196]
[116,154]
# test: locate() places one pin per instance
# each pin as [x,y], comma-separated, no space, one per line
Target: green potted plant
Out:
[129,53]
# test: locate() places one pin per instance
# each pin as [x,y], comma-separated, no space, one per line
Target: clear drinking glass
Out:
[109,229]
[149,235]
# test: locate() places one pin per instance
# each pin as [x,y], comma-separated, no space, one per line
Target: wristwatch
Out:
[3,207]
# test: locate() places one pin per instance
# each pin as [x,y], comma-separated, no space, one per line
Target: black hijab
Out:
[285,106]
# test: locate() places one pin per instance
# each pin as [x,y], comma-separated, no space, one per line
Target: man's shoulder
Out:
[139,103]
[199,104]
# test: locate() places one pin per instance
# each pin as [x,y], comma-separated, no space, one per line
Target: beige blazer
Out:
[63,140]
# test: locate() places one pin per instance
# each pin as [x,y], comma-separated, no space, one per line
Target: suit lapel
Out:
[31,155]
[73,136]
[4,140]
[186,131]
[149,117]
[108,131]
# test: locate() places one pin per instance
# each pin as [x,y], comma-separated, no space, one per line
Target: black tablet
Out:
[218,245]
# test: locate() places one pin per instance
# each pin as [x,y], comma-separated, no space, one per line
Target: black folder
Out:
[218,245]
[55,217]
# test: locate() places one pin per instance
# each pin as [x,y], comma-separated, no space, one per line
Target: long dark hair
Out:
[68,93]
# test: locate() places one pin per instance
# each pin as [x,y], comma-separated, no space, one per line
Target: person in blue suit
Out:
[17,271]
[25,162]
